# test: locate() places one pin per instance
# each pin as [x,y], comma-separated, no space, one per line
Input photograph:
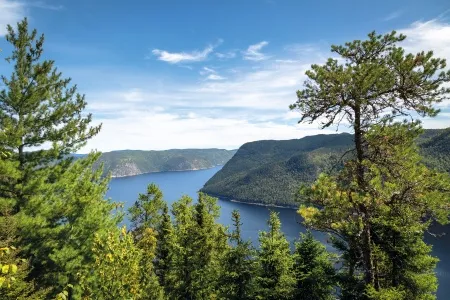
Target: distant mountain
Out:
[134,162]
[270,172]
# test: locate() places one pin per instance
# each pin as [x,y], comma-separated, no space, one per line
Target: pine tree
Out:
[376,83]
[275,279]
[59,203]
[314,270]
[238,268]
[147,210]
[407,197]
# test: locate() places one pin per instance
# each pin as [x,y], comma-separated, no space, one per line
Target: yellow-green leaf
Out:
[13,269]
[5,269]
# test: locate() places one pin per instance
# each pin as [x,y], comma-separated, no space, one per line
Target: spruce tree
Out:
[59,203]
[200,246]
[165,251]
[275,278]
[238,268]
[314,270]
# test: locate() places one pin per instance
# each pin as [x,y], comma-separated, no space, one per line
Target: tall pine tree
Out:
[59,203]
[375,82]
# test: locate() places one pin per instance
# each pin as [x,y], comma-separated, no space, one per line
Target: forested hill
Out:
[134,162]
[270,172]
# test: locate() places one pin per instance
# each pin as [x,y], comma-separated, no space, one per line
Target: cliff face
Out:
[136,162]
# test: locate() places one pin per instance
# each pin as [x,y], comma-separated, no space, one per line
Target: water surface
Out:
[254,217]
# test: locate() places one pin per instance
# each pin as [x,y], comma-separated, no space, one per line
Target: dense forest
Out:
[134,162]
[60,238]
[270,172]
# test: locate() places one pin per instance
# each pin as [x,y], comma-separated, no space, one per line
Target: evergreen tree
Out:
[59,203]
[165,251]
[183,263]
[275,279]
[238,268]
[200,245]
[314,270]
[116,271]
[406,197]
[376,83]
[14,270]
[145,218]
[148,280]
[147,210]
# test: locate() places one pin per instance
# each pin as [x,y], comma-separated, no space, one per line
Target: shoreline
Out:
[200,169]
[249,202]
[260,204]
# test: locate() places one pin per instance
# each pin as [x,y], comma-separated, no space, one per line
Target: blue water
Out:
[254,217]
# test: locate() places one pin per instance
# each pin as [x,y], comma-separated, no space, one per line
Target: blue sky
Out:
[200,74]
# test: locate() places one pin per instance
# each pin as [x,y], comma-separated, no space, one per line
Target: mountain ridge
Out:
[123,163]
[269,172]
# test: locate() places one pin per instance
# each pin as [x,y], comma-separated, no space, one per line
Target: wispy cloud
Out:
[10,13]
[226,55]
[215,77]
[254,53]
[393,15]
[45,5]
[179,57]
[211,74]
[206,70]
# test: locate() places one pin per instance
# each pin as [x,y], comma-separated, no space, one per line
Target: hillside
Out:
[134,162]
[270,172]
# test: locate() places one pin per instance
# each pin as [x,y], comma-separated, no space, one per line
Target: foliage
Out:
[275,278]
[314,269]
[200,245]
[115,273]
[59,204]
[164,253]
[146,211]
[238,268]
[384,188]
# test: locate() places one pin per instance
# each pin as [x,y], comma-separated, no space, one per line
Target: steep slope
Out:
[135,162]
[270,172]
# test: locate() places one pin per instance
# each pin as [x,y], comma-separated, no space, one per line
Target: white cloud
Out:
[206,70]
[215,77]
[226,55]
[174,58]
[431,35]
[11,12]
[179,57]
[254,53]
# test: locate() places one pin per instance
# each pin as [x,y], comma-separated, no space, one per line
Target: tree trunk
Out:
[366,234]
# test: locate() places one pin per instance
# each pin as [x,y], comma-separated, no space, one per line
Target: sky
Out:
[167,74]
